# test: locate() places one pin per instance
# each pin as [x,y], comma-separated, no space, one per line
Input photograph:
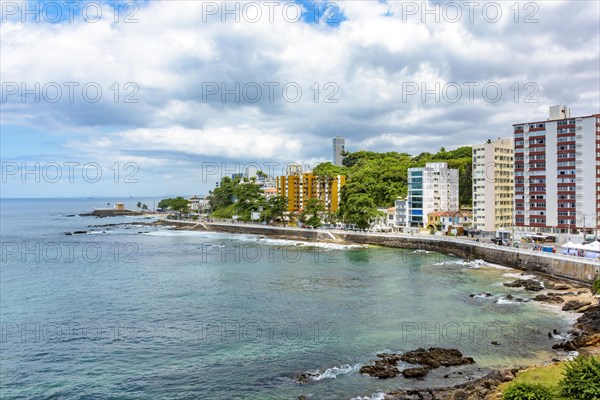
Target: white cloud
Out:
[175,48]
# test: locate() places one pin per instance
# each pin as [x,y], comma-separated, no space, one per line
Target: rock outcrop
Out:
[528,284]
[575,304]
[475,390]
[552,298]
[384,368]
[434,357]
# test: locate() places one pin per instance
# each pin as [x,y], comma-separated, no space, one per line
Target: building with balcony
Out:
[493,185]
[401,212]
[299,188]
[557,173]
[432,188]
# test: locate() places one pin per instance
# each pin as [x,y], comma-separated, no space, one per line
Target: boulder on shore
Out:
[558,286]
[528,284]
[575,304]
[551,298]
[589,322]
[473,390]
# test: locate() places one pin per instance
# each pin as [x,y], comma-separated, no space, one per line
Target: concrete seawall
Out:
[559,266]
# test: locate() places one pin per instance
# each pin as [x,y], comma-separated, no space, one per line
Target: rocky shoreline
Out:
[583,338]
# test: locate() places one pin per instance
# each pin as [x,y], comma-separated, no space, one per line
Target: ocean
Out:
[136,312]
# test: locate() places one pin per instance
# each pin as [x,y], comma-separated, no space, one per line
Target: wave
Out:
[333,372]
[503,301]
[172,233]
[376,396]
[291,242]
[517,275]
[467,263]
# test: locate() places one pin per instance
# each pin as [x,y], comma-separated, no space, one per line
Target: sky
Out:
[165,97]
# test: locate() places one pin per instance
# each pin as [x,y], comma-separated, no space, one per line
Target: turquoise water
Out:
[137,312]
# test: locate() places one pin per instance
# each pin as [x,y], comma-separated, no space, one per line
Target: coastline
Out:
[573,270]
[486,386]
[490,385]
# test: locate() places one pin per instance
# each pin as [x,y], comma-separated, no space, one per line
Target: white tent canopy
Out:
[571,245]
[594,246]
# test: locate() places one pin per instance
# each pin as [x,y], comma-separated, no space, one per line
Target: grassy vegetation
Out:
[550,376]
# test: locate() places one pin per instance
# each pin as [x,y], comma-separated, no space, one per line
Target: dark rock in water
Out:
[79,232]
[435,357]
[549,298]
[488,295]
[471,295]
[305,377]
[528,284]
[68,233]
[384,368]
[302,397]
[509,297]
[495,343]
[380,371]
[416,373]
[71,215]
[575,304]
[555,331]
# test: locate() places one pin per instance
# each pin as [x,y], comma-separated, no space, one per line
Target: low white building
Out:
[199,204]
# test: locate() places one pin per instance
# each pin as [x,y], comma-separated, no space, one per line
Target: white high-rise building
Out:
[557,173]
[339,144]
[433,188]
[493,185]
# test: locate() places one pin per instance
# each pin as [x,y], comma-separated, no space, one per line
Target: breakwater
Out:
[555,265]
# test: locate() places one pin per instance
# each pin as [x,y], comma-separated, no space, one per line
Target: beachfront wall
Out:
[576,269]
[579,270]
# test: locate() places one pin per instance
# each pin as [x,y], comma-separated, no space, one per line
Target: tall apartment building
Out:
[433,188]
[299,188]
[557,172]
[401,205]
[339,144]
[493,185]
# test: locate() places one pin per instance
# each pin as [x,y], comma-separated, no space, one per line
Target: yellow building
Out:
[299,188]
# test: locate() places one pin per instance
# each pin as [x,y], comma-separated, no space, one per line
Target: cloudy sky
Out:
[163,97]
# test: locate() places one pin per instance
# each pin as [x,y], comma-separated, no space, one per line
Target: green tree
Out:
[328,170]
[360,209]
[277,206]
[177,204]
[249,198]
[222,196]
[139,205]
[310,213]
